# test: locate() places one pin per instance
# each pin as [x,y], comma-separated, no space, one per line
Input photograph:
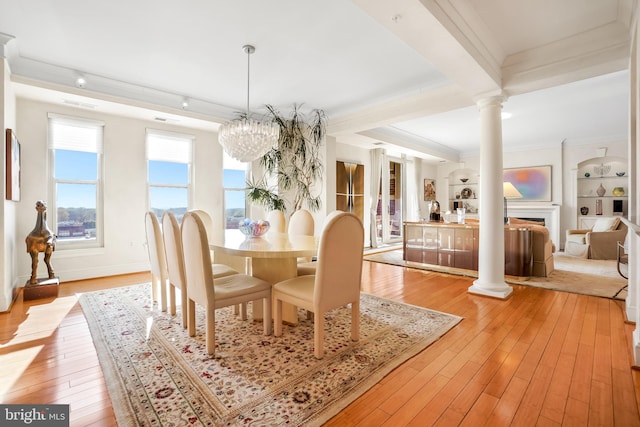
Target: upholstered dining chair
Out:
[336,282]
[221,270]
[216,293]
[301,223]
[175,264]
[277,221]
[157,259]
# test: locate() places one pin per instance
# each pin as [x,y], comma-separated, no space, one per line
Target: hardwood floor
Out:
[538,358]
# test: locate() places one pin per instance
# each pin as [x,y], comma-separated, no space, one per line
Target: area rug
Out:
[577,275]
[159,376]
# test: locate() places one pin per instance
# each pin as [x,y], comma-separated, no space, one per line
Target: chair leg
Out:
[266,315]
[154,288]
[172,299]
[163,293]
[355,320]
[243,311]
[211,331]
[277,318]
[185,308]
[191,313]
[318,334]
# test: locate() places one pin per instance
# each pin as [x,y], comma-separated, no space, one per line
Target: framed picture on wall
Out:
[12,190]
[534,183]
[429,189]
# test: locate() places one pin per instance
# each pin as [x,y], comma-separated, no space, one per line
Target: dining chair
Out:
[221,270]
[175,264]
[277,221]
[301,223]
[336,282]
[216,293]
[157,259]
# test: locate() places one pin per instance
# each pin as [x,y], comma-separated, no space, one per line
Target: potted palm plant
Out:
[296,162]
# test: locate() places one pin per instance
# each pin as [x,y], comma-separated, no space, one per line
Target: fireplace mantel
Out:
[550,214]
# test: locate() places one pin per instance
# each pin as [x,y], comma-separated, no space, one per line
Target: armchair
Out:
[599,242]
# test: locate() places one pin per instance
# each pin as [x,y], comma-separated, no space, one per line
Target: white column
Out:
[490,280]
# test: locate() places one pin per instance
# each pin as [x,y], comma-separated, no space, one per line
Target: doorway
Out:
[389,215]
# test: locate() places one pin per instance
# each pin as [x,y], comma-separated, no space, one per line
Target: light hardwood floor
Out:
[538,358]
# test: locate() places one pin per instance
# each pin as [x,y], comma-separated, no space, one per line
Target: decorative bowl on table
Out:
[254,228]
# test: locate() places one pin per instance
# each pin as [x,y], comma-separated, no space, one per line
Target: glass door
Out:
[390,207]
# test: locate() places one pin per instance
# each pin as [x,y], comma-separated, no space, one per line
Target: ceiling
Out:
[404,73]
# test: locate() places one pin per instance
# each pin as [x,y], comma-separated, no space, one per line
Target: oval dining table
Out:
[272,257]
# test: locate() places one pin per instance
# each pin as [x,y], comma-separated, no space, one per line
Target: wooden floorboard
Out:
[539,358]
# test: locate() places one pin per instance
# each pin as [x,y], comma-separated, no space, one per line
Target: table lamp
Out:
[509,192]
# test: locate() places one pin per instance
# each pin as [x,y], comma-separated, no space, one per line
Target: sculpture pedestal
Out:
[44,288]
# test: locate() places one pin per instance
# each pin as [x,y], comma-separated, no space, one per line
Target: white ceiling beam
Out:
[589,54]
[435,101]
[439,30]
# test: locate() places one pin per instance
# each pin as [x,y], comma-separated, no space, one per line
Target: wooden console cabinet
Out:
[456,245]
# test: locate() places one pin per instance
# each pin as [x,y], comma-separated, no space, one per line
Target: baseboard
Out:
[14,297]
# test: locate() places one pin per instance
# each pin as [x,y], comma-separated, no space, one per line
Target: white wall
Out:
[125,190]
[9,248]
[563,160]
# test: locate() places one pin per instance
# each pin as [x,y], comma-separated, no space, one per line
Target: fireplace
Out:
[549,215]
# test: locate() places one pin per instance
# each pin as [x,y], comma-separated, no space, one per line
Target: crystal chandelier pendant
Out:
[246,139]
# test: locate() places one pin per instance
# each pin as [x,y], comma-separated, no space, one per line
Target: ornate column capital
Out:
[494,100]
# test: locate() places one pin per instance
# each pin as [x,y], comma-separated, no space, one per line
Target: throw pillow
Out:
[606,224]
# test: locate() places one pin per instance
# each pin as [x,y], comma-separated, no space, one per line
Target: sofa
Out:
[598,242]
[543,247]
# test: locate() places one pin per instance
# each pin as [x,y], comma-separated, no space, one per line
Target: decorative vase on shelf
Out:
[584,210]
[618,191]
[598,207]
[600,191]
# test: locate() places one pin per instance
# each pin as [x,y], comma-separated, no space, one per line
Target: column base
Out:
[498,290]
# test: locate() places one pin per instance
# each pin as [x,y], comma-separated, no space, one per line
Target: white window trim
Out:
[171,156]
[53,213]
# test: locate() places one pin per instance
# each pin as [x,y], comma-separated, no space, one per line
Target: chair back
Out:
[339,269]
[155,245]
[206,221]
[301,223]
[197,260]
[277,221]
[173,250]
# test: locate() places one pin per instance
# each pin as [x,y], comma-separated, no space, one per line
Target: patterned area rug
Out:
[159,376]
[577,275]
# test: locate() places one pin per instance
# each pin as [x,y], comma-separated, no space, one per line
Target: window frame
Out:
[177,136]
[52,206]
[247,173]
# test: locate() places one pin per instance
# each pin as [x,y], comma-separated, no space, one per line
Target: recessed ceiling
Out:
[365,62]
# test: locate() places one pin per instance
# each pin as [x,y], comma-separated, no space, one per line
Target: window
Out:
[235,195]
[75,156]
[169,158]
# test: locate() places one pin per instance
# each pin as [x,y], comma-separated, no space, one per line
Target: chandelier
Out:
[246,139]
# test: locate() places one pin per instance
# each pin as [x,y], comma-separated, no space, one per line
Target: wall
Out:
[8,256]
[563,160]
[125,190]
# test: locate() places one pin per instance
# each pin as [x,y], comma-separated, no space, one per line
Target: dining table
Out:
[272,257]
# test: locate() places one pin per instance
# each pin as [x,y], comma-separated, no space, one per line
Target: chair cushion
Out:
[576,238]
[606,224]
[222,270]
[238,284]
